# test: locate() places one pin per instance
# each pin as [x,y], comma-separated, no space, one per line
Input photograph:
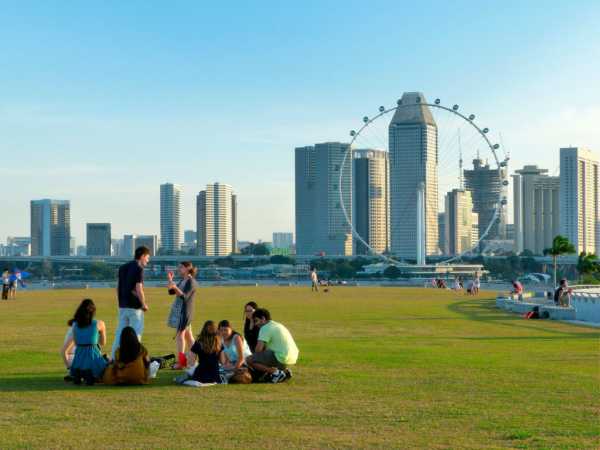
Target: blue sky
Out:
[100,102]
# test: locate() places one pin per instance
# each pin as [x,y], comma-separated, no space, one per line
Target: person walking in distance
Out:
[130,292]
[314,279]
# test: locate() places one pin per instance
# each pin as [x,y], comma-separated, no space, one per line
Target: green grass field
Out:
[379,367]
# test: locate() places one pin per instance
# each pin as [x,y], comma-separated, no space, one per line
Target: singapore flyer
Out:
[430,187]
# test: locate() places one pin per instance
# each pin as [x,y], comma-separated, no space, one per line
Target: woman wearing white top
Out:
[235,347]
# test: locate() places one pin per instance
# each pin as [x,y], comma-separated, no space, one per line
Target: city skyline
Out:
[115,121]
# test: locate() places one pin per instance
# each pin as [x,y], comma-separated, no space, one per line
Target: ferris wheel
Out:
[453,138]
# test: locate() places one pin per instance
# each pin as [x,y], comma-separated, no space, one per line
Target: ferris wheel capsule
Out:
[437,101]
[503,164]
[399,102]
[352,133]
[455,107]
[485,130]
[365,119]
[418,99]
[472,116]
[496,146]
[505,183]
[381,108]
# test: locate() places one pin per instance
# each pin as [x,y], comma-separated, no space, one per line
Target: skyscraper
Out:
[214,218]
[536,209]
[234,220]
[413,146]
[98,239]
[485,184]
[460,222]
[371,200]
[50,227]
[321,227]
[170,218]
[579,201]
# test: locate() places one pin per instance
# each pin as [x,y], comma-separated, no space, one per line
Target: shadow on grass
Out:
[485,310]
[55,382]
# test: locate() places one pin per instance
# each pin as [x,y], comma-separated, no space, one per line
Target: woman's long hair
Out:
[129,346]
[85,313]
[226,324]
[190,268]
[248,322]
[209,338]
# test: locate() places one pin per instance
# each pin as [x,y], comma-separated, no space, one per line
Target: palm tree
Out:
[587,264]
[560,246]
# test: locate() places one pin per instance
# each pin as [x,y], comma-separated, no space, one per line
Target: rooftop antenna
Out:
[460,163]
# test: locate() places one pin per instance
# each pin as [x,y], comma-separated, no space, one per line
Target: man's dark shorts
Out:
[267,358]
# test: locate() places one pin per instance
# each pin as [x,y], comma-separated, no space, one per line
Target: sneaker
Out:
[288,374]
[278,376]
[68,378]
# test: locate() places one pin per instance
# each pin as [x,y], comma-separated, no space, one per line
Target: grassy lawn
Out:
[379,367]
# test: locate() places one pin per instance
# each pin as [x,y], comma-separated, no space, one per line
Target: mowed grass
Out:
[379,367]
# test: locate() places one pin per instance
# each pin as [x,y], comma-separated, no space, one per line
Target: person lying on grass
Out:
[208,351]
[88,335]
[276,349]
[132,363]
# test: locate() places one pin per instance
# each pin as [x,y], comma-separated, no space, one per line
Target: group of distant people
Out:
[10,282]
[472,287]
[218,355]
[562,293]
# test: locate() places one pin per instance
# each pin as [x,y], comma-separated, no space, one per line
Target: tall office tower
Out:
[321,227]
[442,232]
[283,240]
[485,184]
[234,220]
[536,209]
[98,239]
[117,247]
[413,145]
[214,218]
[50,227]
[579,209]
[370,199]
[461,222]
[147,240]
[170,218]
[128,244]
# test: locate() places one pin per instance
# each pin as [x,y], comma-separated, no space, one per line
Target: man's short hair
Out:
[141,251]
[262,313]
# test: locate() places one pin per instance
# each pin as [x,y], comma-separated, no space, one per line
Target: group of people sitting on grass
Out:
[219,354]
[472,288]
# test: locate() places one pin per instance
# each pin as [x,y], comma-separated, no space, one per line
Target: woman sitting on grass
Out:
[235,348]
[208,351]
[132,362]
[88,335]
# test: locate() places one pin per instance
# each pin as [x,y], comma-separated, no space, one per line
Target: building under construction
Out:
[485,184]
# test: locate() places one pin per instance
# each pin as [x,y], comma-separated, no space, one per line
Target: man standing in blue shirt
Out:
[130,291]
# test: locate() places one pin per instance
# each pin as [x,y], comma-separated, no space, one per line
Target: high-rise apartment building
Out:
[170,218]
[370,199]
[536,209]
[50,227]
[234,220]
[413,160]
[486,186]
[461,223]
[215,220]
[321,227]
[98,237]
[579,191]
